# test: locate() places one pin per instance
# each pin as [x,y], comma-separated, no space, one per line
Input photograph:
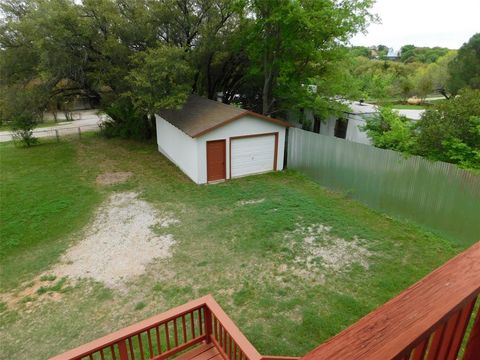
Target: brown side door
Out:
[216,158]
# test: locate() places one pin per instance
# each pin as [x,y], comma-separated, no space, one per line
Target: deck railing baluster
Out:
[175,332]
[159,342]
[114,356]
[130,346]
[167,336]
[140,346]
[184,330]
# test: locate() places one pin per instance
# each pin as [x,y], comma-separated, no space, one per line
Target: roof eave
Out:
[236,117]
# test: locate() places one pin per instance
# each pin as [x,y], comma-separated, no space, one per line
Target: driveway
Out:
[86,120]
[411,114]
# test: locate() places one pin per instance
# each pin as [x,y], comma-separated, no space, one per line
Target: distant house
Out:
[393,54]
[211,141]
[349,126]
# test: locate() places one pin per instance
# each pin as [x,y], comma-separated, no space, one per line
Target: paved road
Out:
[87,120]
[411,114]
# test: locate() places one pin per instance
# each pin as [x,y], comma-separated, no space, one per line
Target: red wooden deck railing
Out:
[170,333]
[159,337]
[427,321]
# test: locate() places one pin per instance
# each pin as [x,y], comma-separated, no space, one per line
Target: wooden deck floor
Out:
[202,352]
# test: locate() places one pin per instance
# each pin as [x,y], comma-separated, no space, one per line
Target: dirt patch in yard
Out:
[111,178]
[250,202]
[319,248]
[120,242]
[40,288]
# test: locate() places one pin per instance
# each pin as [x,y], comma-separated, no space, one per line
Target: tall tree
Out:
[291,41]
[465,68]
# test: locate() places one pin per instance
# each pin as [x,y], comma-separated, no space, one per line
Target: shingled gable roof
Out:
[200,115]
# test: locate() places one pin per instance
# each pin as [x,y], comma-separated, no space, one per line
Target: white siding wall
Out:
[178,147]
[355,132]
[327,127]
[247,125]
[354,129]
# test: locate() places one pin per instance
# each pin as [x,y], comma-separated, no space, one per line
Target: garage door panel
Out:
[252,155]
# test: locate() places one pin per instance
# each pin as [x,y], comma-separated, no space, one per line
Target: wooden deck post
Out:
[472,351]
[208,324]
[122,349]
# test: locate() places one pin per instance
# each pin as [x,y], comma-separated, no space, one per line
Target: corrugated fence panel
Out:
[438,195]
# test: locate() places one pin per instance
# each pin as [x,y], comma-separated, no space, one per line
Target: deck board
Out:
[217,357]
[202,352]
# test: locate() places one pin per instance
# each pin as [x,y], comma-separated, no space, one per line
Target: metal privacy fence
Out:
[437,195]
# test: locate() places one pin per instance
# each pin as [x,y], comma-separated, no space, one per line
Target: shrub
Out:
[22,126]
[451,130]
[126,122]
[388,130]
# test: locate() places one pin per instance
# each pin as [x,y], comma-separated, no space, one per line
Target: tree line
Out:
[448,131]
[417,71]
[133,57]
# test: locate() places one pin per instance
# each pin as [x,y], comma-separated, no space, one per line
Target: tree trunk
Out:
[444,93]
[266,93]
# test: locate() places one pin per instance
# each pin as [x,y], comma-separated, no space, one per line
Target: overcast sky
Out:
[431,23]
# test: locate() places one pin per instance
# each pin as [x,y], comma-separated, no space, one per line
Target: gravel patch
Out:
[119,243]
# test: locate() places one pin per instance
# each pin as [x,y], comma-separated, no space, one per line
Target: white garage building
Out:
[211,141]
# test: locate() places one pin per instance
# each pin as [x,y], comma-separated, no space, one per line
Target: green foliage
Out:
[282,58]
[426,55]
[363,51]
[161,79]
[457,152]
[440,75]
[140,305]
[423,83]
[125,121]
[57,287]
[383,79]
[465,69]
[156,52]
[22,126]
[451,130]
[49,277]
[388,130]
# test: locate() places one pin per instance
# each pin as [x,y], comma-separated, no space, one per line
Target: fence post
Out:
[208,324]
[56,135]
[79,133]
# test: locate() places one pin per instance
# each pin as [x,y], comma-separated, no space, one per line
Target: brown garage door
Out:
[216,157]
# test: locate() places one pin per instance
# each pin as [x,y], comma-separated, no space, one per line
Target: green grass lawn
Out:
[245,256]
[435,101]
